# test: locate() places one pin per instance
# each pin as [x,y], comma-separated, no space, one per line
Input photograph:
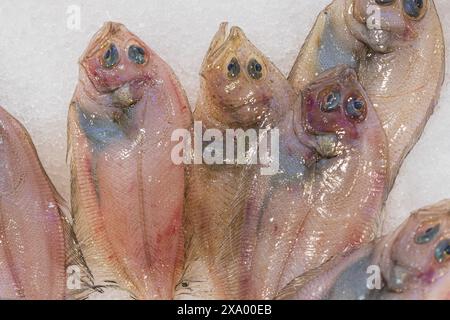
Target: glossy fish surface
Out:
[397,49]
[32,241]
[127,193]
[326,202]
[412,263]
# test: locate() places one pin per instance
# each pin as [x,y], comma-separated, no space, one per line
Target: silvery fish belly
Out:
[412,263]
[127,192]
[32,241]
[240,90]
[327,196]
[397,48]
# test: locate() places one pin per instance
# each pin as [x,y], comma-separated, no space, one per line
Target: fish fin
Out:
[216,43]
[234,261]
[298,283]
[74,256]
[209,193]
[227,234]
[83,284]
[298,75]
[440,208]
[194,282]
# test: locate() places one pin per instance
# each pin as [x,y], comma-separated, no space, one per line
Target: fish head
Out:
[386,24]
[335,104]
[417,262]
[118,64]
[11,159]
[239,78]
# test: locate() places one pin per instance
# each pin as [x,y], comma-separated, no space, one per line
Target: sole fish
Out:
[240,90]
[318,205]
[127,193]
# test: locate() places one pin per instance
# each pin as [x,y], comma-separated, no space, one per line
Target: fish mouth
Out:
[264,102]
[124,95]
[256,113]
[130,93]
[246,115]
[326,145]
[376,38]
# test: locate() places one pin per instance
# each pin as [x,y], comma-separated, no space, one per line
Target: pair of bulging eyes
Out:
[254,69]
[413,8]
[354,106]
[111,57]
[442,250]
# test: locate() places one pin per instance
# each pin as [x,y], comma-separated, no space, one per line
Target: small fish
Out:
[397,48]
[240,89]
[412,263]
[32,235]
[319,204]
[127,193]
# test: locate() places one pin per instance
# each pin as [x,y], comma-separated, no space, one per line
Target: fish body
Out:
[399,57]
[127,193]
[240,90]
[412,263]
[332,201]
[32,239]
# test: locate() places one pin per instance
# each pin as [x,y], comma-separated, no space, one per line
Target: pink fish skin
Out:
[414,264]
[32,242]
[127,193]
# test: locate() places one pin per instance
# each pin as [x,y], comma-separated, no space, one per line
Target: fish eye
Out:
[355,108]
[442,251]
[255,69]
[136,54]
[384,2]
[234,69]
[428,235]
[331,102]
[111,56]
[414,8]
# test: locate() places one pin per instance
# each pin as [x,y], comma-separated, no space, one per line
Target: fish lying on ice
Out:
[240,89]
[127,193]
[326,198]
[32,234]
[397,48]
[412,263]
